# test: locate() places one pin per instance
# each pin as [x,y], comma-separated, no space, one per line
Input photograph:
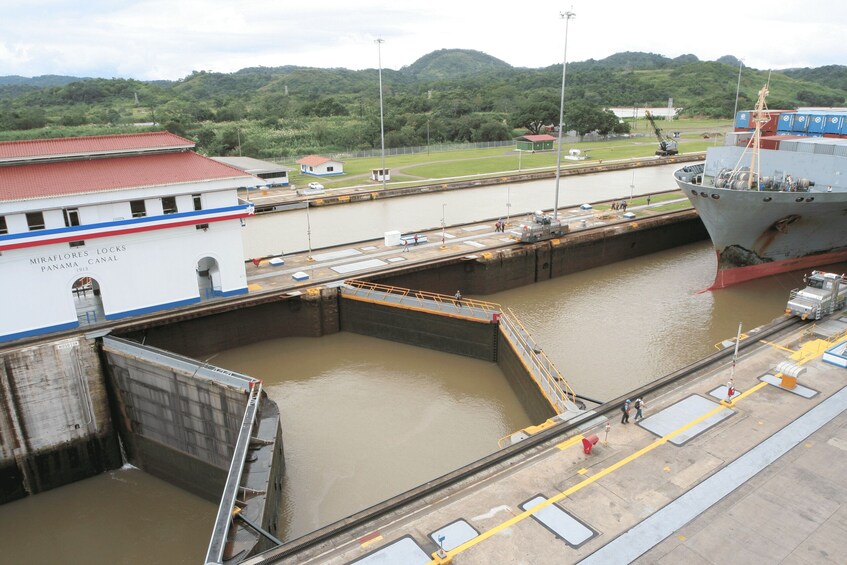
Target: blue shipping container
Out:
[817,122]
[801,123]
[742,120]
[786,122]
[833,124]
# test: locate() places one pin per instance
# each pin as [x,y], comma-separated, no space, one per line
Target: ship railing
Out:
[546,375]
[421,299]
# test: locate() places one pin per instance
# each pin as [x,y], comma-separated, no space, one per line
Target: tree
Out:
[535,114]
[585,118]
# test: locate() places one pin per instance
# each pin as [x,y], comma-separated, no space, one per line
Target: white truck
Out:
[824,294]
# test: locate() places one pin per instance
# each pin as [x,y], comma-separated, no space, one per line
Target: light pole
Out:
[567,16]
[379,42]
[508,203]
[737,91]
[308,232]
[443,225]
[632,187]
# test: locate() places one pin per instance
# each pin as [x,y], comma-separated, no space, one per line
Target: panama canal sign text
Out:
[78,260]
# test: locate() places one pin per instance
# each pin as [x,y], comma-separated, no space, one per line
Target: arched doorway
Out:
[208,278]
[87,301]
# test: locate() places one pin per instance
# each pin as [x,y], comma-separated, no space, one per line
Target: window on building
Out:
[138,209]
[198,203]
[35,220]
[76,243]
[169,204]
[203,227]
[329,169]
[3,227]
[71,216]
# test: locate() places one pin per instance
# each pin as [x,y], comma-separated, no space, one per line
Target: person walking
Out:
[416,239]
[639,405]
[405,246]
[625,409]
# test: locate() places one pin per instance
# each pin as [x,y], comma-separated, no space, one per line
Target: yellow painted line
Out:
[777,346]
[811,350]
[579,486]
[572,441]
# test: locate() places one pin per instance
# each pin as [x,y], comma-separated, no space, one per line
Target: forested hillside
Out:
[450,95]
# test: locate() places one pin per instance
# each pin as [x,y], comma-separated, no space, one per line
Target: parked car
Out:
[316,186]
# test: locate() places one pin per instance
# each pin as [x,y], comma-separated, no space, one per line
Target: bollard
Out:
[588,443]
[606,437]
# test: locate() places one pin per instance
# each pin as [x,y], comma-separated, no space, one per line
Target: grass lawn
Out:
[429,167]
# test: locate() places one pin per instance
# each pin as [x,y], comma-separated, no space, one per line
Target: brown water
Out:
[612,329]
[119,517]
[365,419]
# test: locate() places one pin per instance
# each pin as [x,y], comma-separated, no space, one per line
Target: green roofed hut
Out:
[541,142]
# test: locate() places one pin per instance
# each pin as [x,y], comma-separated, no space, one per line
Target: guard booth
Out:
[378,175]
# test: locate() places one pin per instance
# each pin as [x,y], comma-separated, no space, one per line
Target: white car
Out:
[316,186]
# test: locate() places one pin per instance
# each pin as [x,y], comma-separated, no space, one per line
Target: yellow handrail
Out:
[470,303]
[557,383]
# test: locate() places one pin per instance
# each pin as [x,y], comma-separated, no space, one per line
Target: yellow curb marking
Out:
[572,441]
[777,346]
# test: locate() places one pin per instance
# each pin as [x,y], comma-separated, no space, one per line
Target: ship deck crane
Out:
[667,146]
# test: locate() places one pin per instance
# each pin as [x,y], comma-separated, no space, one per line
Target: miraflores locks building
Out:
[105,227]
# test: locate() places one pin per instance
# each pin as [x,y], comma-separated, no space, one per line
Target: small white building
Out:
[106,227]
[271,173]
[320,166]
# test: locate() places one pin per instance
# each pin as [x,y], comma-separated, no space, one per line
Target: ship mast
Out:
[760,117]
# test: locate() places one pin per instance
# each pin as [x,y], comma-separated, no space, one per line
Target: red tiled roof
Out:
[314,160]
[44,180]
[541,137]
[34,148]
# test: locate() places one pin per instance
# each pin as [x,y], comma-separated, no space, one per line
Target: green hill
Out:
[446,64]
[450,95]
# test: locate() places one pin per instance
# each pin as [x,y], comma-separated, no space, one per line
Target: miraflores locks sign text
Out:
[78,260]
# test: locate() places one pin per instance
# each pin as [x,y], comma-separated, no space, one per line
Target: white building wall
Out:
[137,273]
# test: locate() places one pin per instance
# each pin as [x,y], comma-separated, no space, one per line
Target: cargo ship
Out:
[774,197]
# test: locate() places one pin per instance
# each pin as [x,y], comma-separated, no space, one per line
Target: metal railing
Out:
[549,379]
[223,520]
[424,300]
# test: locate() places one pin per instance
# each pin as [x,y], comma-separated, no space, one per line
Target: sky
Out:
[168,39]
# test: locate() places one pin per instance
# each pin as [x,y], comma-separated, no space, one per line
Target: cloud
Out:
[155,39]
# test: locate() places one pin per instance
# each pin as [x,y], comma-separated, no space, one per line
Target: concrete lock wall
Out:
[175,425]
[520,265]
[311,314]
[55,425]
[537,407]
[451,334]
